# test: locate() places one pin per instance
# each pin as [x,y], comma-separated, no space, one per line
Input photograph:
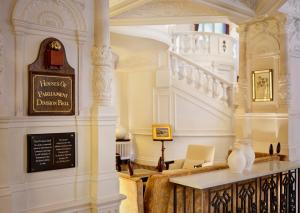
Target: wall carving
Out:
[103,74]
[269,27]
[292,7]
[61,14]
[293,34]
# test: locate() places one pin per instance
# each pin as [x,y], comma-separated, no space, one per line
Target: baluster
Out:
[207,44]
[173,42]
[229,95]
[177,43]
[205,83]
[201,46]
[181,70]
[197,78]
[216,93]
[209,86]
[189,74]
[174,65]
[224,92]
[193,43]
[180,44]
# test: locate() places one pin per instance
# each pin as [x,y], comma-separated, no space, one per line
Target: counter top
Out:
[225,176]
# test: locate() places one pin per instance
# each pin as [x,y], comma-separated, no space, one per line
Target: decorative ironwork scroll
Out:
[269,194]
[246,197]
[221,200]
[275,193]
[288,192]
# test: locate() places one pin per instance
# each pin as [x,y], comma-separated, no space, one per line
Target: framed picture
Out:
[262,85]
[162,132]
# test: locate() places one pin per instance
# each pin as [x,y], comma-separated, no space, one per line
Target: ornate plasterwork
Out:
[103,75]
[60,14]
[102,56]
[293,34]
[269,26]
[291,8]
[263,37]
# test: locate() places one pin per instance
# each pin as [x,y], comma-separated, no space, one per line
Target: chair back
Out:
[201,152]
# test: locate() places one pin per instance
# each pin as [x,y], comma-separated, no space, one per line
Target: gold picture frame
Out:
[262,85]
[162,132]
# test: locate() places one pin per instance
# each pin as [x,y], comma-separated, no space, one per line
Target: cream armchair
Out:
[196,156]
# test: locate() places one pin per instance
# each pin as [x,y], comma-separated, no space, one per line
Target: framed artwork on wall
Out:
[262,85]
[161,132]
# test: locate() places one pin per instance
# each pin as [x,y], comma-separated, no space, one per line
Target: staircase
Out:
[197,95]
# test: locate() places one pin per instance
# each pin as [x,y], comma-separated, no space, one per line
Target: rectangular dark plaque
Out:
[51,93]
[50,151]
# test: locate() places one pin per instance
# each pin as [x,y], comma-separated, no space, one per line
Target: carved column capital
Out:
[102,85]
[102,56]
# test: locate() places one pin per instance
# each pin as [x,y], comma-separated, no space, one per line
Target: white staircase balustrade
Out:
[202,43]
[201,79]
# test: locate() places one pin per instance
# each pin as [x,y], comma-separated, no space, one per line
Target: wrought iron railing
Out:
[274,193]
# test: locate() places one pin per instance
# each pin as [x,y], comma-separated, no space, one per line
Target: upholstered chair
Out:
[196,156]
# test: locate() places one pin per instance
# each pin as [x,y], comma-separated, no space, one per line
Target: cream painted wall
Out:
[138,61]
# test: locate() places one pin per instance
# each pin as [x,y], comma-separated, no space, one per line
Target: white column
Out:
[104,181]
[292,30]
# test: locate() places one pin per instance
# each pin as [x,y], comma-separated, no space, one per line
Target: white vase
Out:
[237,161]
[248,151]
[121,133]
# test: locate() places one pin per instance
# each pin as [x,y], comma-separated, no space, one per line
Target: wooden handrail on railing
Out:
[203,80]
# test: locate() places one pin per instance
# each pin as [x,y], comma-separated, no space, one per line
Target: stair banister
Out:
[209,83]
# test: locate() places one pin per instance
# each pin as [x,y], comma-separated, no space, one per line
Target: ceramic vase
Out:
[249,154]
[121,133]
[237,161]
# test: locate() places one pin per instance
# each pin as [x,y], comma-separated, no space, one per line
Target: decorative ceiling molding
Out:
[264,7]
[236,10]
[169,20]
[118,7]
[169,9]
